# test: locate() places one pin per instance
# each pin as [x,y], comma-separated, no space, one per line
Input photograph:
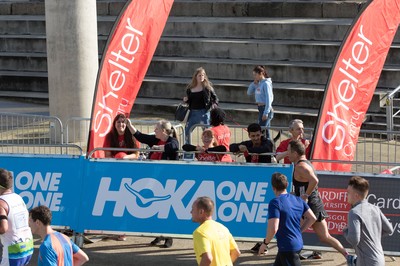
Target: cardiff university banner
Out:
[127,56]
[352,83]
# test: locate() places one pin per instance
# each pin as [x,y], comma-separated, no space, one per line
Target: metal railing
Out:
[35,134]
[18,130]
[42,149]
[375,152]
[145,126]
[391,110]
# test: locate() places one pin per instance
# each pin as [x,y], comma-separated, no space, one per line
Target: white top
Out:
[17,241]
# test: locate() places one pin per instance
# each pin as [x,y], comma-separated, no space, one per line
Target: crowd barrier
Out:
[144,197]
[383,193]
[376,152]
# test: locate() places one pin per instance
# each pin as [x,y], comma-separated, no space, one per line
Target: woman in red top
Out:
[221,132]
[119,137]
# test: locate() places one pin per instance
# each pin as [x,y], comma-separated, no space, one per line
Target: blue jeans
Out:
[265,123]
[196,116]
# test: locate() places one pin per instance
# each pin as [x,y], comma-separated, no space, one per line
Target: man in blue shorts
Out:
[56,249]
[284,215]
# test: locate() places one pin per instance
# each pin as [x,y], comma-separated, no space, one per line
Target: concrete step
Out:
[262,8]
[231,27]
[24,81]
[240,113]
[23,61]
[238,69]
[221,27]
[236,113]
[278,50]
[33,43]
[231,91]
[231,69]
[282,50]
[226,8]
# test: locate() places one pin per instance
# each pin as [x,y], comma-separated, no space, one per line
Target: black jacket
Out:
[170,148]
[266,146]
[210,97]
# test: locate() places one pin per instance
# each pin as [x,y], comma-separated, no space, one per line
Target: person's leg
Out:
[195,117]
[189,124]
[261,122]
[287,259]
[321,229]
[277,261]
[268,124]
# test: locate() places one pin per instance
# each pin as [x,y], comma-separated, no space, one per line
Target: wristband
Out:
[305,194]
[265,243]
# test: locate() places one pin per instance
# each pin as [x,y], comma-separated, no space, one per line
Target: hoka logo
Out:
[148,197]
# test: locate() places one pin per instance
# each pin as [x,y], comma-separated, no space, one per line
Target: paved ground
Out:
[136,251]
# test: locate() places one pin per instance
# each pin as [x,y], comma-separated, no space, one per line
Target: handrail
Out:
[389,110]
[391,95]
[44,145]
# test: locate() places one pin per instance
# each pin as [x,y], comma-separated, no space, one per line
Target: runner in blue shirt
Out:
[284,215]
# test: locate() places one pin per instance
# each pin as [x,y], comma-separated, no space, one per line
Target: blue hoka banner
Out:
[156,197]
[144,197]
[54,182]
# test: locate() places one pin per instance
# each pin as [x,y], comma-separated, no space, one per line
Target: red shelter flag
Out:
[127,56]
[352,83]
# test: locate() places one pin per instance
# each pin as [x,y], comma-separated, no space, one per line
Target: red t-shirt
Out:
[157,155]
[223,136]
[284,146]
[208,157]
[254,158]
[121,144]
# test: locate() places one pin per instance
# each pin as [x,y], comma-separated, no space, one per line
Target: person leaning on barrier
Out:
[120,137]
[163,140]
[213,243]
[209,145]
[284,220]
[56,248]
[221,132]
[257,144]
[296,130]
[366,225]
[15,234]
[305,183]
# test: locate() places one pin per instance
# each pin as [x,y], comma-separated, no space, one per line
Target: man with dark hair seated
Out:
[253,147]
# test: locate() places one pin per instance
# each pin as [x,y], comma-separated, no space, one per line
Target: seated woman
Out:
[209,145]
[119,137]
[164,140]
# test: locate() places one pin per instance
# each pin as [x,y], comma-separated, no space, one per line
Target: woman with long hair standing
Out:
[261,87]
[201,97]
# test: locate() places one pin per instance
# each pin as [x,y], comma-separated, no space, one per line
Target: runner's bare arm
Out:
[206,259]
[80,258]
[309,219]
[3,216]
